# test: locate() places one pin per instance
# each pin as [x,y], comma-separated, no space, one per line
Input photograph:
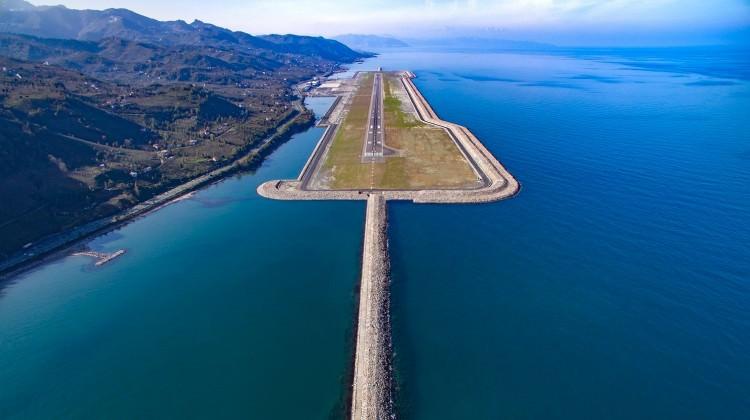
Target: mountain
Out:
[315,46]
[61,22]
[369,42]
[138,62]
[21,17]
[12,5]
[101,110]
[485,43]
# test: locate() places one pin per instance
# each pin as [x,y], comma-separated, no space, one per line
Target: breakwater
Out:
[101,257]
[372,390]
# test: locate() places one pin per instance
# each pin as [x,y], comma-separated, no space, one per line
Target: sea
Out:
[615,285]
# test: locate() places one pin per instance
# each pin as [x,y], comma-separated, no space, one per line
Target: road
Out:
[374,137]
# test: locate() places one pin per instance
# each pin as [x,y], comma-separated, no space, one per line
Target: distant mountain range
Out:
[486,43]
[369,42]
[103,109]
[378,43]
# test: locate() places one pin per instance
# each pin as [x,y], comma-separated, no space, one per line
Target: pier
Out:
[372,388]
[101,257]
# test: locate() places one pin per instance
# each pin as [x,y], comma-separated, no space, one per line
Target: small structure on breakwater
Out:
[101,257]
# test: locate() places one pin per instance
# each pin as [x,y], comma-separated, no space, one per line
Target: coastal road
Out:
[374,136]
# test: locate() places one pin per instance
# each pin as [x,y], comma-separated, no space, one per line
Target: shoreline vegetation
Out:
[59,244]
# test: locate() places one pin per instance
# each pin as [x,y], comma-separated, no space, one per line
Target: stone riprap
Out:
[372,388]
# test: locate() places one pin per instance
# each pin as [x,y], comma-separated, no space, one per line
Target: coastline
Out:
[59,245]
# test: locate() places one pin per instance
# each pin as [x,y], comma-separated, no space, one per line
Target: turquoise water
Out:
[616,285]
[224,305]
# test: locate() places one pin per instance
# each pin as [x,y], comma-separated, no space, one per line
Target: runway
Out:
[375,134]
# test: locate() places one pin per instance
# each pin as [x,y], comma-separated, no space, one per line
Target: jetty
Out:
[372,396]
[101,257]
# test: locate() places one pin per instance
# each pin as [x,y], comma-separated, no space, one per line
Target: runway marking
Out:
[373,145]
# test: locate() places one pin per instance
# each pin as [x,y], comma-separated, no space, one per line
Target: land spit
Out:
[372,396]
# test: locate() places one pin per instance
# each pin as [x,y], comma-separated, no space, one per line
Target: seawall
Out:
[372,390]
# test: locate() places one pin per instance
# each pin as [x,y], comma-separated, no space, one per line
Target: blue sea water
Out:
[615,285]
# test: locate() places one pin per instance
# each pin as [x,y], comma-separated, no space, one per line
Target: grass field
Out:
[425,157]
[342,164]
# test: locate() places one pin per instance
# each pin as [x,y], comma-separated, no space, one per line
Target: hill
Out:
[101,110]
[21,17]
[483,43]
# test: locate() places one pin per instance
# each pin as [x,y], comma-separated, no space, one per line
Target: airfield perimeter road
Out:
[374,138]
[315,158]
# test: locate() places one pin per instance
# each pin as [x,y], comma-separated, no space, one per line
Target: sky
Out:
[565,21]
